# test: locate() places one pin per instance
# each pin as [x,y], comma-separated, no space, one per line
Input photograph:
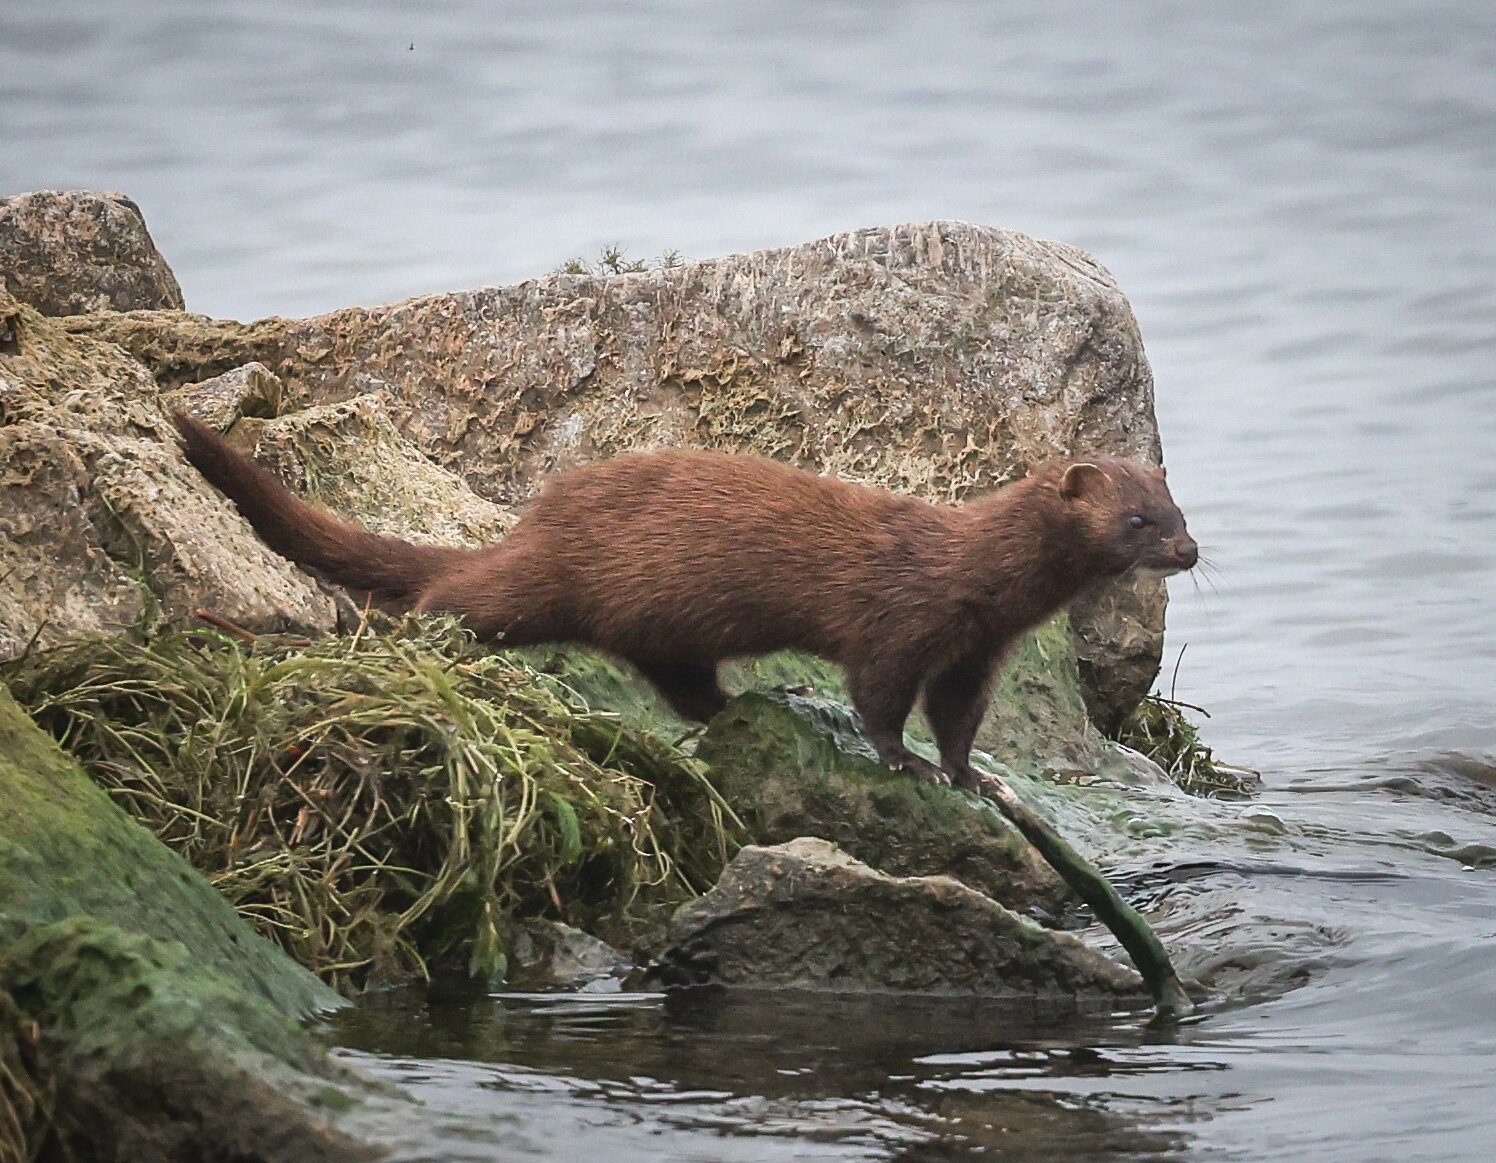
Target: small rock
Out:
[75,252]
[805,915]
[1263,819]
[545,955]
[251,390]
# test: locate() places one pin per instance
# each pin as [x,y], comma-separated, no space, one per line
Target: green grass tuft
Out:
[382,803]
[613,260]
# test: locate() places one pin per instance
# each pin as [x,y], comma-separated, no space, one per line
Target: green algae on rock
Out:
[380,802]
[140,1017]
[28,1086]
[66,850]
[155,1056]
[794,766]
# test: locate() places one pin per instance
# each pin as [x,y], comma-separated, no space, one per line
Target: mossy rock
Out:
[67,850]
[792,766]
[158,1058]
[381,804]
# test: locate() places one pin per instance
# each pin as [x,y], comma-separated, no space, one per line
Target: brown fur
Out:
[677,560]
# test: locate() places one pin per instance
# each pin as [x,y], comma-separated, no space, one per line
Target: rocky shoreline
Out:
[191,672]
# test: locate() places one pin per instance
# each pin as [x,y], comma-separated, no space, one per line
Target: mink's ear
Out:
[1161,472]
[1082,480]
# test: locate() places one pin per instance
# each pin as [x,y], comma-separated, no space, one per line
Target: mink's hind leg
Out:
[883,696]
[955,700]
[691,688]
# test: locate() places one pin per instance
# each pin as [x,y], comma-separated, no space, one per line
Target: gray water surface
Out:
[1300,199]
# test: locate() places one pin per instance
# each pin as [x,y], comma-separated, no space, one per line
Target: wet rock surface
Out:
[158,1023]
[548,955]
[805,915]
[793,766]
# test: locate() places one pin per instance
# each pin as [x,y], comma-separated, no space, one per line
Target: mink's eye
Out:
[1138,521]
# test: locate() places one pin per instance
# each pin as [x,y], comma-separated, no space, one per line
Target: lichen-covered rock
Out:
[103,524]
[350,458]
[67,252]
[59,581]
[937,359]
[805,915]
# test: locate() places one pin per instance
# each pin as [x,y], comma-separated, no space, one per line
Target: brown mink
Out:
[676,560]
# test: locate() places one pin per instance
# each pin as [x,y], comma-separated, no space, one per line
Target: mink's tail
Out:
[386,571]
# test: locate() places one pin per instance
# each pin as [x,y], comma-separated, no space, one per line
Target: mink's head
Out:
[1127,516]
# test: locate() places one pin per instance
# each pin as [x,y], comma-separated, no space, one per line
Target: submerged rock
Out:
[67,252]
[548,955]
[805,915]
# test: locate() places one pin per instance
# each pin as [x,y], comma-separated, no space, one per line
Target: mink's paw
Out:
[923,769]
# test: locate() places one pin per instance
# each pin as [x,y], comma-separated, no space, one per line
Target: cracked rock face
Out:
[69,252]
[805,915]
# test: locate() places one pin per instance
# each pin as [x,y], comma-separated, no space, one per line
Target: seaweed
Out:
[381,804]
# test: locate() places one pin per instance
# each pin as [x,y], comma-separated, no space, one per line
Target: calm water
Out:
[1301,201]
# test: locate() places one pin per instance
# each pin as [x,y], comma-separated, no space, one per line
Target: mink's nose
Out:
[1187,552]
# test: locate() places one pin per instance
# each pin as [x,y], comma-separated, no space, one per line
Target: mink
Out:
[675,560]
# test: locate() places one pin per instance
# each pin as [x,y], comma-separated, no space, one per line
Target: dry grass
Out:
[381,803]
[1158,729]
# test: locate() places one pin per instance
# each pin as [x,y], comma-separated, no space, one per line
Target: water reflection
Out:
[846,1078]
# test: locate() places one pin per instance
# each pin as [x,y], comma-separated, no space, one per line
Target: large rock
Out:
[66,850]
[939,359]
[75,251]
[103,525]
[805,915]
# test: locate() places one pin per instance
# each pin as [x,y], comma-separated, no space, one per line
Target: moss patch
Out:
[794,766]
[159,1057]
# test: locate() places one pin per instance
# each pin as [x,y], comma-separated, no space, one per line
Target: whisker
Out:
[1206,576]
